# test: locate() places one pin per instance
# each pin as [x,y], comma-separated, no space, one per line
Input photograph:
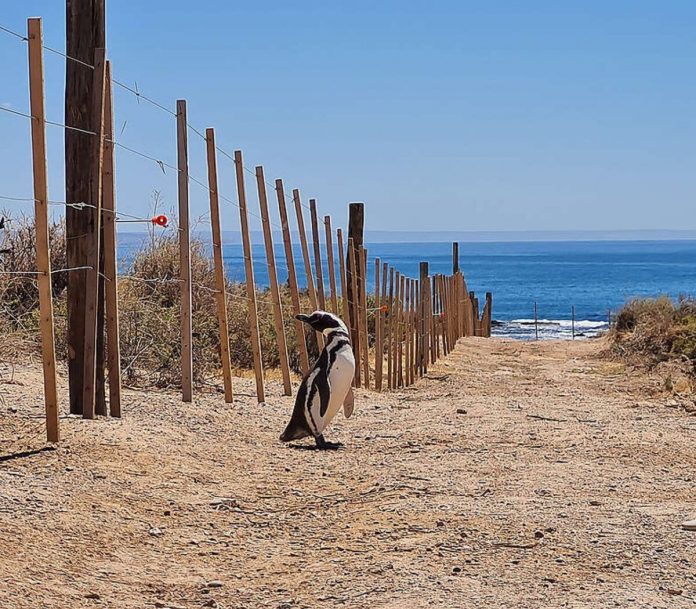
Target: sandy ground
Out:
[516,475]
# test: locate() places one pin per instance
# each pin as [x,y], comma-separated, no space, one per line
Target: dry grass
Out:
[656,330]
[148,307]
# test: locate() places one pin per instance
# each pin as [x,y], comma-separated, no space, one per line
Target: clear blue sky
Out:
[495,115]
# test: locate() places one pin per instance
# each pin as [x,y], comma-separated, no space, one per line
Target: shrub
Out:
[149,301]
[656,330]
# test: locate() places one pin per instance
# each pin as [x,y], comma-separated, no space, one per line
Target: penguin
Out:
[327,386]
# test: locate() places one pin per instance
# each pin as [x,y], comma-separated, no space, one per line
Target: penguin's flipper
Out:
[349,403]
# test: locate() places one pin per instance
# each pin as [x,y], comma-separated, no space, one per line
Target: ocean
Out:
[595,277]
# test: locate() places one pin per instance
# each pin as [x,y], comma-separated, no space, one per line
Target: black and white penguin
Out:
[327,386]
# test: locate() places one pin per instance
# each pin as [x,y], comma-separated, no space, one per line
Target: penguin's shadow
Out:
[313,447]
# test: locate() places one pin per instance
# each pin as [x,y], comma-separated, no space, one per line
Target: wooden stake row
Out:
[414,321]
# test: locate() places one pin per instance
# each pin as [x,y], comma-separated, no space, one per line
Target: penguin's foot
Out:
[322,444]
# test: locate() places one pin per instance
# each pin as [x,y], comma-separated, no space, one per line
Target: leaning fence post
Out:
[311,290]
[331,263]
[273,279]
[113,348]
[220,295]
[292,277]
[43,258]
[249,271]
[344,280]
[321,296]
[93,242]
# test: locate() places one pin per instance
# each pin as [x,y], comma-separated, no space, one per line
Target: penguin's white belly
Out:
[339,380]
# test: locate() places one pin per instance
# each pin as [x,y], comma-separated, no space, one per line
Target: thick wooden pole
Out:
[379,350]
[292,277]
[184,253]
[355,311]
[93,241]
[425,347]
[250,284]
[321,296]
[273,279]
[219,265]
[455,257]
[331,263]
[356,222]
[402,333]
[113,347]
[43,258]
[489,315]
[85,31]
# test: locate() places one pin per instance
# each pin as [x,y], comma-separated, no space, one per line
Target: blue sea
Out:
[595,277]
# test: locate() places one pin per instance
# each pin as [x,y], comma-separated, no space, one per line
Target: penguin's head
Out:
[323,322]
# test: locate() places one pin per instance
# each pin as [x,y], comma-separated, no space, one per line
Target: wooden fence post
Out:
[402,334]
[43,258]
[305,255]
[249,271]
[292,278]
[379,351]
[407,332]
[85,30]
[220,285]
[390,329]
[356,221]
[273,280]
[355,308]
[362,253]
[184,253]
[92,242]
[455,258]
[113,347]
[331,263]
[344,280]
[321,295]
[425,347]
[489,313]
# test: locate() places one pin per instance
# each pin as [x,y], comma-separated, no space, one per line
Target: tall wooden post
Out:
[344,282]
[273,279]
[321,295]
[489,315]
[390,330]
[85,31]
[379,351]
[219,265]
[184,253]
[250,285]
[407,325]
[43,258]
[113,347]
[455,257]
[311,290]
[331,264]
[292,277]
[362,253]
[355,311]
[92,240]
[356,222]
[424,338]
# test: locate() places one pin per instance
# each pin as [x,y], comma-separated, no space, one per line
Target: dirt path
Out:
[517,475]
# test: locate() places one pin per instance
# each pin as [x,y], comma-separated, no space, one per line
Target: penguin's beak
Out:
[302,317]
